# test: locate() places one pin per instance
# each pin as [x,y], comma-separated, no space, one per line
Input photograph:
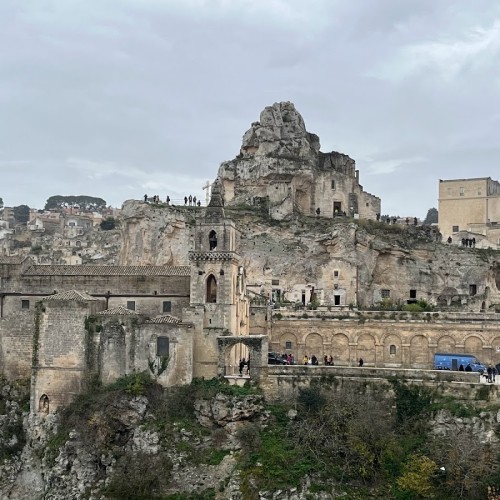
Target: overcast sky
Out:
[116,98]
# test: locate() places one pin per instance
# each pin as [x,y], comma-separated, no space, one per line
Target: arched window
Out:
[43,404]
[212,240]
[392,350]
[211,289]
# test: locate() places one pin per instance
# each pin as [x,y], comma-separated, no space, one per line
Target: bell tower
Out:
[217,282]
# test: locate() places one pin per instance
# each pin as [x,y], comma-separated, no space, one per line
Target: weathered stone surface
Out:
[281,131]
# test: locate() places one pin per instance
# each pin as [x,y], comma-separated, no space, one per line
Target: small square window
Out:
[275,282]
[25,304]
[288,344]
[167,306]
[385,294]
[162,346]
[472,290]
[462,191]
[413,294]
[131,305]
[454,229]
[336,273]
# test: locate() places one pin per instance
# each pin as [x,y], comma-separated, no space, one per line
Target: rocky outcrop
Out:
[155,235]
[281,170]
[281,132]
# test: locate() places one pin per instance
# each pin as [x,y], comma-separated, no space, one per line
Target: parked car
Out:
[273,358]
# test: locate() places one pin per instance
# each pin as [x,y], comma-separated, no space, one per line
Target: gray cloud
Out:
[116,98]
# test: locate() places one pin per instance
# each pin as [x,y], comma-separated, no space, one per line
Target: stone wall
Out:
[283,382]
[60,351]
[407,344]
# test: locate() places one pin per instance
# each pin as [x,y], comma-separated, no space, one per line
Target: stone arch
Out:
[43,404]
[211,295]
[233,356]
[392,349]
[474,345]
[419,352]
[446,344]
[495,350]
[340,349]
[257,346]
[314,345]
[366,348]
[212,240]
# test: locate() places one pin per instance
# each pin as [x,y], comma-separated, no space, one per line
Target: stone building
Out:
[470,208]
[63,325]
[281,169]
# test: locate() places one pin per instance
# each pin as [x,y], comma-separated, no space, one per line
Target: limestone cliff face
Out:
[280,167]
[155,235]
[345,259]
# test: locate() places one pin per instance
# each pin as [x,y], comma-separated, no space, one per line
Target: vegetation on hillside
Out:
[364,443]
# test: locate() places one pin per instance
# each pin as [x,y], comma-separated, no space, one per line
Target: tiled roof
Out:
[12,259]
[70,295]
[164,319]
[117,311]
[44,270]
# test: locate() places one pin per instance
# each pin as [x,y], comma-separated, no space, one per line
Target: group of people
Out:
[188,200]
[469,242]
[191,201]
[313,360]
[288,358]
[491,373]
[156,199]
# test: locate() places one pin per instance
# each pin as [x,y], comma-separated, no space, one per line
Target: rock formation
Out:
[280,168]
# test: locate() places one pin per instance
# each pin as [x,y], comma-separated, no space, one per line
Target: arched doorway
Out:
[43,404]
[314,346]
[474,345]
[211,289]
[419,352]
[446,345]
[257,346]
[235,355]
[366,349]
[340,349]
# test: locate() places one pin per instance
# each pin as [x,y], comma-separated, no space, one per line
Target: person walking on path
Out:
[361,362]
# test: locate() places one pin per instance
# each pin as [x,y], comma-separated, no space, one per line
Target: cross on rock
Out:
[207,187]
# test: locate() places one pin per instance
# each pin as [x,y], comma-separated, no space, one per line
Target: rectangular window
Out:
[25,304]
[131,305]
[288,345]
[336,299]
[385,294]
[336,273]
[472,290]
[333,184]
[462,191]
[167,306]
[162,346]
[454,229]
[413,294]
[275,282]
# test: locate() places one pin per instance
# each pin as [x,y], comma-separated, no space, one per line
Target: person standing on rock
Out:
[145,198]
[185,200]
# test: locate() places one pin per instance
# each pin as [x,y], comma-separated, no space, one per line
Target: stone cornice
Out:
[212,256]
